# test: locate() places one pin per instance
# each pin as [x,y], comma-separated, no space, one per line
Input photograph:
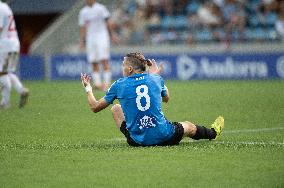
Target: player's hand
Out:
[155,69]
[85,79]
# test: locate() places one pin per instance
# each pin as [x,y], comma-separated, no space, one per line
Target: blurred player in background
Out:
[139,116]
[9,55]
[95,34]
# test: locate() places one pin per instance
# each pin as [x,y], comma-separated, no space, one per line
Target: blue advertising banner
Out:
[184,66]
[68,67]
[231,66]
[31,67]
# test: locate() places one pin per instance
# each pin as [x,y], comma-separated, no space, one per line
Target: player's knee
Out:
[6,85]
[189,128]
[189,124]
[106,66]
[96,66]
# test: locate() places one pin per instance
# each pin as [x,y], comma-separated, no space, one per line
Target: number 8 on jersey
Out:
[139,97]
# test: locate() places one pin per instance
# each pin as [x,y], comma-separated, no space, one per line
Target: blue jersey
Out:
[140,96]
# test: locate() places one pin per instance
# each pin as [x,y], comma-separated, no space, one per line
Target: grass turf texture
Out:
[56,141]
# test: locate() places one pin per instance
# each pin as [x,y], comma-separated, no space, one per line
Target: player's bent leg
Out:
[24,92]
[16,83]
[189,129]
[24,98]
[96,76]
[197,132]
[95,66]
[118,115]
[105,64]
[106,73]
[120,123]
[13,59]
[5,85]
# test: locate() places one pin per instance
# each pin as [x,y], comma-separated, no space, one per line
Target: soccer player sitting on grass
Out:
[139,116]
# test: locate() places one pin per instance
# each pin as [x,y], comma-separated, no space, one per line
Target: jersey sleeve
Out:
[105,12]
[164,88]
[111,94]
[81,21]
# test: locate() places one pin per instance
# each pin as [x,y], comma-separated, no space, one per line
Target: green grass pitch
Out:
[56,141]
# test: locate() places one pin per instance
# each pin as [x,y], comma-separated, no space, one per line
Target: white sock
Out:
[16,83]
[107,77]
[13,59]
[96,76]
[5,84]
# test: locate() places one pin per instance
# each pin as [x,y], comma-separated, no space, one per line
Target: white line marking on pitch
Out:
[250,143]
[221,142]
[254,130]
[234,142]
[271,143]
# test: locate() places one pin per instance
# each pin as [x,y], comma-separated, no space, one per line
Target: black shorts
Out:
[174,140]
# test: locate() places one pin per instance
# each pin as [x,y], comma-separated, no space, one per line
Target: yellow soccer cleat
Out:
[218,125]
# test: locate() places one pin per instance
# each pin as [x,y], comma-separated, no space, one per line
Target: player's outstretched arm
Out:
[82,37]
[154,68]
[113,36]
[95,105]
[167,97]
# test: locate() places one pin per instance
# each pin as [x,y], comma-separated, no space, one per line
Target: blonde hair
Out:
[138,61]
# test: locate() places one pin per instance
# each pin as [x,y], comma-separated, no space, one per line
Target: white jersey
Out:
[94,19]
[9,40]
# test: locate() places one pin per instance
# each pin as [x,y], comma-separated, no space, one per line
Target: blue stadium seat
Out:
[203,35]
[271,18]
[180,22]
[192,7]
[271,34]
[167,22]
[252,6]
[249,34]
[253,20]
[259,33]
[258,27]
[236,35]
